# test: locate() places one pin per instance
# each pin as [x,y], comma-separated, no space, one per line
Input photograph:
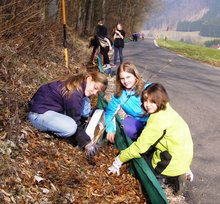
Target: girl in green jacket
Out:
[167,134]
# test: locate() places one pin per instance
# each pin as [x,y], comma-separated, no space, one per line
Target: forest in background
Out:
[170,12]
[187,16]
[34,25]
[208,25]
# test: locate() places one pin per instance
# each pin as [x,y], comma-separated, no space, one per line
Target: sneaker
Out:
[162,180]
[107,66]
[182,185]
[189,176]
[113,65]
[109,72]
[178,184]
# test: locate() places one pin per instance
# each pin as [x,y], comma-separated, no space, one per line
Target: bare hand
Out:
[111,137]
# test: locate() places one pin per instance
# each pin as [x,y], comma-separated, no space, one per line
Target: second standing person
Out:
[119,35]
[101,34]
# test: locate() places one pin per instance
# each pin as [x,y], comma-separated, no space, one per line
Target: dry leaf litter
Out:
[38,168]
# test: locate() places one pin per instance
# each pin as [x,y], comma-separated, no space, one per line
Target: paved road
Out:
[194,90]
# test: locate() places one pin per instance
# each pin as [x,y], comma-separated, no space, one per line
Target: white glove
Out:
[189,176]
[116,165]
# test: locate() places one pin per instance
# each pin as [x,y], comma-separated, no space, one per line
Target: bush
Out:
[212,42]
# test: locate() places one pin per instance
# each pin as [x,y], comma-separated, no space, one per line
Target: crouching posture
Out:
[165,142]
[129,86]
[60,106]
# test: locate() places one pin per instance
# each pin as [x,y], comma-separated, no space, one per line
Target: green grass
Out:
[188,37]
[203,54]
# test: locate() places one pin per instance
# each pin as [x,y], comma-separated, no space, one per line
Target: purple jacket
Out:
[50,97]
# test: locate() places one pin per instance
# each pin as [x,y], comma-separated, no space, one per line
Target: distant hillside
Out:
[187,15]
[208,25]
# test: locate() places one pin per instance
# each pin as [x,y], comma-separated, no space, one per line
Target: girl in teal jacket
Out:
[167,131]
[129,86]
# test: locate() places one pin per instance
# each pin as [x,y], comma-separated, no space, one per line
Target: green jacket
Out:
[174,152]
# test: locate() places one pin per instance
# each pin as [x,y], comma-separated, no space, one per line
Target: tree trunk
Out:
[90,17]
[103,10]
[52,11]
[87,7]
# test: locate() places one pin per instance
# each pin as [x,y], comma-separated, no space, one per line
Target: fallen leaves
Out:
[36,167]
[54,171]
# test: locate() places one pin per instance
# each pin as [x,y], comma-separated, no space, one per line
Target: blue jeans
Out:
[86,107]
[51,121]
[116,51]
[58,123]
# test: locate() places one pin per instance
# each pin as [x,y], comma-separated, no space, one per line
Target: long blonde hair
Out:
[130,68]
[75,81]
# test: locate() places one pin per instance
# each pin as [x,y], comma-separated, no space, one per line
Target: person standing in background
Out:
[101,39]
[118,35]
[101,34]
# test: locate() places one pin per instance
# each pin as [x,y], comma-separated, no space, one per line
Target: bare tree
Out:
[28,22]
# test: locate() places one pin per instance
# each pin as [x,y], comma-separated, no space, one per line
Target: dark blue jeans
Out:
[116,51]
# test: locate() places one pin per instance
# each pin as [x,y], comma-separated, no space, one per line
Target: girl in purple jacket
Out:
[59,106]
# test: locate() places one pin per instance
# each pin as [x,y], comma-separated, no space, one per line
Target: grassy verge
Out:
[203,54]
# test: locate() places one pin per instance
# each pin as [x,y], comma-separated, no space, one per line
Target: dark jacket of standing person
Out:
[118,41]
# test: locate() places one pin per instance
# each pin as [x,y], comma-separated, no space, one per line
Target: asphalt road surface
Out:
[194,90]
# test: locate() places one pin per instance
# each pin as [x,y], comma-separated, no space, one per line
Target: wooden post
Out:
[65,34]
